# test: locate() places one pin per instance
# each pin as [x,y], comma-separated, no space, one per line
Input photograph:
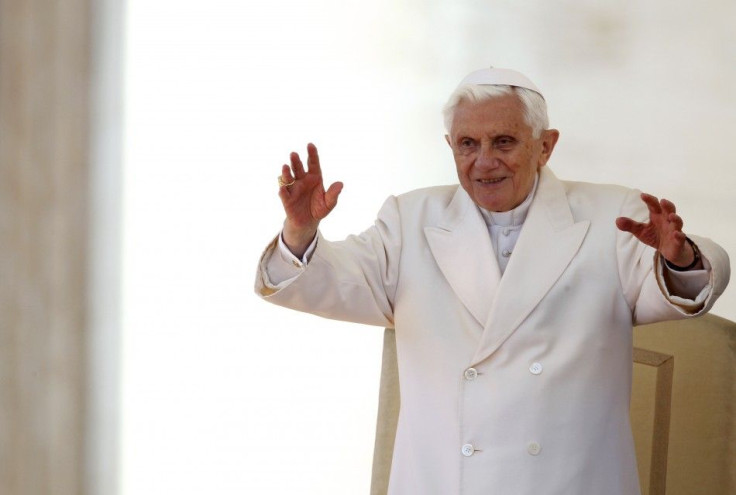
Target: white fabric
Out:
[567,301]
[284,266]
[505,228]
[687,289]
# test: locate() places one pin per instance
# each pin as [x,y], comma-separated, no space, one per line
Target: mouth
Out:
[491,181]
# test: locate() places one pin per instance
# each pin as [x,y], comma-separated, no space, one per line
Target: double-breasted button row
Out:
[532,448]
[471,374]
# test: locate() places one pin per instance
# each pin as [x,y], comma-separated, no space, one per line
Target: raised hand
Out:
[304,199]
[663,232]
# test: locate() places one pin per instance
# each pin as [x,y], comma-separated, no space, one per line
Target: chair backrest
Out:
[683,407]
[700,451]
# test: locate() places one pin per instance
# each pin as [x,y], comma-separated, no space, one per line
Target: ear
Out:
[549,140]
[449,141]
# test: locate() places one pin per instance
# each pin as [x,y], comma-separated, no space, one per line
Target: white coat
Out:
[513,385]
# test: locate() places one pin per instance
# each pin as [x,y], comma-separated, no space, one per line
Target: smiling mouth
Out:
[491,181]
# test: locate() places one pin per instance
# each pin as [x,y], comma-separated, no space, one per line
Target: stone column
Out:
[44,164]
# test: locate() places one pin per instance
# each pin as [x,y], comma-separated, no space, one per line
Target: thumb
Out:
[627,224]
[332,193]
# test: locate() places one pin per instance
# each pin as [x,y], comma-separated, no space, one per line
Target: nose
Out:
[486,158]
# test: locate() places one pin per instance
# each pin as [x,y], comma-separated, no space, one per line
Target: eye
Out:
[504,142]
[466,142]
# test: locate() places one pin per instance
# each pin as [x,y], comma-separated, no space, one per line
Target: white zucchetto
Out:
[492,75]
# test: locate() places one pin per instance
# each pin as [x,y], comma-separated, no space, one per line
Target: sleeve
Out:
[644,281]
[352,280]
[281,266]
[690,287]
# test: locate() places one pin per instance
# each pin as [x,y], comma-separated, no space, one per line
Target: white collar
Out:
[514,217]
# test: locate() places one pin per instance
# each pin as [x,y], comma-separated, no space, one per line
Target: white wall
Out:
[223,393]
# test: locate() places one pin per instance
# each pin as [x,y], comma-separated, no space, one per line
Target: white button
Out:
[471,374]
[505,253]
[536,368]
[506,231]
[534,448]
[468,450]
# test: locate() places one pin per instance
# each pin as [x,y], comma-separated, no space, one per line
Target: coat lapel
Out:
[547,244]
[461,245]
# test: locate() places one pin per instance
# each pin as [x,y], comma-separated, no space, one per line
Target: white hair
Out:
[535,108]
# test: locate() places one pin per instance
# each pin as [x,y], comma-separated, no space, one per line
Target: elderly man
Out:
[513,297]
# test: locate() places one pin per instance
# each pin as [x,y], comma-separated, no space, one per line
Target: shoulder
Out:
[589,198]
[434,194]
[428,204]
[436,198]
[424,206]
[581,191]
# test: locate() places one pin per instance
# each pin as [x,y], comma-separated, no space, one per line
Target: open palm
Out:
[304,198]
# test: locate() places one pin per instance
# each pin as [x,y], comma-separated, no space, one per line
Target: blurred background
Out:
[139,147]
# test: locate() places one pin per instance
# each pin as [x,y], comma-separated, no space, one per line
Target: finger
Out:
[332,193]
[628,225]
[286,178]
[313,159]
[667,206]
[286,174]
[675,220]
[652,203]
[285,193]
[296,165]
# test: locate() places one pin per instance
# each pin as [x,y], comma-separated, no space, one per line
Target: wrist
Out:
[694,264]
[297,240]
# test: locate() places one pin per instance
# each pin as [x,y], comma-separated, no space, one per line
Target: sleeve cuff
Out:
[688,290]
[282,267]
[289,257]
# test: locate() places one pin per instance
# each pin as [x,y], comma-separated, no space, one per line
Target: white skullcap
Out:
[492,75]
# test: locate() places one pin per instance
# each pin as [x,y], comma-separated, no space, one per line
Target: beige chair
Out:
[683,408]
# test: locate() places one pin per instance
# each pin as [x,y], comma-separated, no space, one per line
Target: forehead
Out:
[500,114]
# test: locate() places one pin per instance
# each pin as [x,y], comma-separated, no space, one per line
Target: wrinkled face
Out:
[496,155]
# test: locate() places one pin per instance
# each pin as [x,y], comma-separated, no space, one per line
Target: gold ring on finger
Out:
[285,184]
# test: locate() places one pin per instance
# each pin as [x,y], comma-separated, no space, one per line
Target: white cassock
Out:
[517,385]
